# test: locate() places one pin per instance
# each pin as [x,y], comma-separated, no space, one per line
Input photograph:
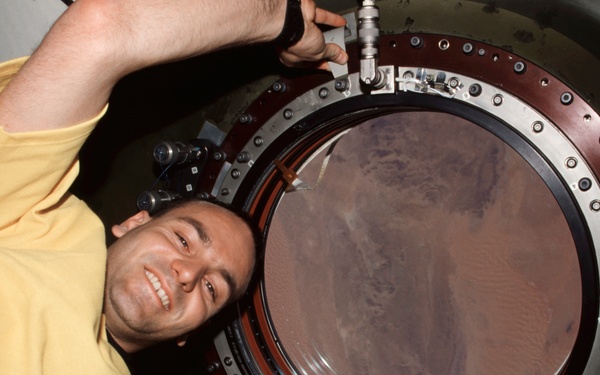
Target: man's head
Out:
[167,274]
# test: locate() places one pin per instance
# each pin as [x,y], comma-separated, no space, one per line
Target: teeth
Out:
[160,291]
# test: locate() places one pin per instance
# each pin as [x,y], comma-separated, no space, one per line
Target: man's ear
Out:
[136,220]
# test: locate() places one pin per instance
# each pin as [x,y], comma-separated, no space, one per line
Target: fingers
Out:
[324,17]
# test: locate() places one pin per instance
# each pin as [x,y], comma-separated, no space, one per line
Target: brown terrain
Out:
[430,247]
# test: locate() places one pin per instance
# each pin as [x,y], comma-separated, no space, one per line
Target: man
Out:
[165,275]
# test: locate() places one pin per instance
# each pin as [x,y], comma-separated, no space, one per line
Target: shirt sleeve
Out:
[37,168]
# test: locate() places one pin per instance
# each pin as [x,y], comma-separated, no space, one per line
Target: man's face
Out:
[166,276]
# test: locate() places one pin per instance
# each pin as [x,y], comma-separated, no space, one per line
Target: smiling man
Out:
[165,275]
[168,274]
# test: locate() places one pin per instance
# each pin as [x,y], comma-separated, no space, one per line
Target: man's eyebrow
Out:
[199,229]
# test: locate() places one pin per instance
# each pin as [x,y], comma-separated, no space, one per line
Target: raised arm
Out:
[96,42]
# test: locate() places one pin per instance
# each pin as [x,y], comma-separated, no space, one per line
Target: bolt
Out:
[278,87]
[213,367]
[497,100]
[537,127]
[323,93]
[475,89]
[288,114]
[416,42]
[258,141]
[235,173]
[245,118]
[585,184]
[243,157]
[595,205]
[571,162]
[341,85]
[468,49]
[566,98]
[218,156]
[520,67]
[408,75]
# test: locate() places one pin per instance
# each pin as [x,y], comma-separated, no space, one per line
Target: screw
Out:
[566,98]
[468,49]
[323,93]
[537,127]
[288,114]
[258,141]
[520,67]
[585,184]
[475,89]
[571,162]
[595,205]
[416,42]
[497,100]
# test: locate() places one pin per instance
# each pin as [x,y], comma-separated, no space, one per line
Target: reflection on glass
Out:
[430,247]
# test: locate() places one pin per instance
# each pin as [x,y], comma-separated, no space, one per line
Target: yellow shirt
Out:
[52,257]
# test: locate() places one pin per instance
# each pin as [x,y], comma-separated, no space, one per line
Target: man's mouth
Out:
[159,290]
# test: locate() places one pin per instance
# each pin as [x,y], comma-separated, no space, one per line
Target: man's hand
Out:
[311,50]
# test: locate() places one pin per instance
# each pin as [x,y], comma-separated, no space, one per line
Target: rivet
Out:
[224,191]
[258,141]
[243,157]
[587,118]
[228,361]
[481,52]
[595,205]
[323,93]
[235,173]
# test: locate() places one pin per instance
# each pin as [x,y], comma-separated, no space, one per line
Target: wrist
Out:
[293,26]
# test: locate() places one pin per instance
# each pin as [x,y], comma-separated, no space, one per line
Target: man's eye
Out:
[211,289]
[183,241]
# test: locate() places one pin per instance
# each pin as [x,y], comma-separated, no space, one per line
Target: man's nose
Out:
[187,274]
